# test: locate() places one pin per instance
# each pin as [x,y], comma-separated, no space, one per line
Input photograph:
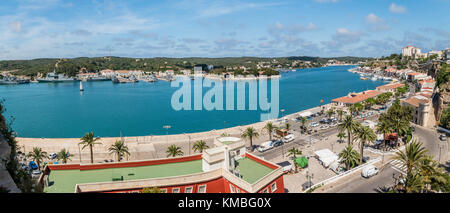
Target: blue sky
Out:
[207,28]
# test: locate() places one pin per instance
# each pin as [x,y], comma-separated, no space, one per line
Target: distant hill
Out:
[73,65]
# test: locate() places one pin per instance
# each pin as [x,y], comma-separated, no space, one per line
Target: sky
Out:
[231,28]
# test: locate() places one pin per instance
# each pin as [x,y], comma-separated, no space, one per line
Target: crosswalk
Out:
[398,166]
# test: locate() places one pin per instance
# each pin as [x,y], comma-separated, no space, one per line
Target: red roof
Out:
[360,97]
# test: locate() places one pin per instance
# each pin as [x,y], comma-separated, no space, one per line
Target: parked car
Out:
[443,137]
[288,138]
[336,168]
[265,146]
[36,173]
[53,156]
[313,124]
[277,143]
[333,124]
[324,127]
[369,171]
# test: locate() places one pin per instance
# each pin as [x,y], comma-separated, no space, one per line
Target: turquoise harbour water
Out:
[60,110]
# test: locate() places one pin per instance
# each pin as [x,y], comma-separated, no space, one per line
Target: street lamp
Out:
[167,127]
[282,110]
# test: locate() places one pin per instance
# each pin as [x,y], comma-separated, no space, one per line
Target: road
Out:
[430,140]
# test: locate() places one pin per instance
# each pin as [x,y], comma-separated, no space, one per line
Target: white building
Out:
[411,51]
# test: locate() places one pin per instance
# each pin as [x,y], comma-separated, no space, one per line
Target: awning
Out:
[302,162]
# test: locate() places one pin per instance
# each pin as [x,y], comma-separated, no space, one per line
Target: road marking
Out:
[398,166]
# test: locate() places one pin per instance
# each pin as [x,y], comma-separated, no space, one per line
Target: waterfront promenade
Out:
[147,147]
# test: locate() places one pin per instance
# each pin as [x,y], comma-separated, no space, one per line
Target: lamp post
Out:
[79,151]
[167,127]
[282,110]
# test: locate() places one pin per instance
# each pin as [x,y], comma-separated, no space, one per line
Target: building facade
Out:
[410,51]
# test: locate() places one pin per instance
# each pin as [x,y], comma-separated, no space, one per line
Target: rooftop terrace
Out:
[64,181]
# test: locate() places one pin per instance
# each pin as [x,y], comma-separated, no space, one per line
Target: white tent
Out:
[305,114]
[326,157]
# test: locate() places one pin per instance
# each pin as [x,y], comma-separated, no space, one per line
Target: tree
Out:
[270,128]
[173,151]
[341,135]
[330,113]
[412,156]
[119,149]
[250,133]
[365,135]
[64,155]
[340,113]
[383,128]
[200,146]
[288,126]
[349,157]
[348,124]
[303,120]
[294,152]
[88,140]
[358,107]
[37,155]
[152,190]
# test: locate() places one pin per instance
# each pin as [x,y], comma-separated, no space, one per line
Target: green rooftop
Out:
[251,170]
[64,181]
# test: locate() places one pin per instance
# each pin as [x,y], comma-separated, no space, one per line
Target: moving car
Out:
[288,138]
[53,156]
[369,171]
[443,137]
[269,145]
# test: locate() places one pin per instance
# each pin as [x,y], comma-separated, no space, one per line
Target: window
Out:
[273,186]
[232,189]
[266,190]
[188,189]
[202,189]
[176,190]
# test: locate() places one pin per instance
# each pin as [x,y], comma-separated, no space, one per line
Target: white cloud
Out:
[397,8]
[376,23]
[16,26]
[373,19]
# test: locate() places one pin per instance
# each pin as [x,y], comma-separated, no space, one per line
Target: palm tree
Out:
[304,120]
[250,133]
[173,151]
[270,128]
[340,113]
[294,152]
[349,125]
[200,146]
[37,155]
[341,135]
[349,157]
[64,155]
[384,128]
[288,125]
[330,113]
[365,135]
[88,140]
[412,156]
[119,149]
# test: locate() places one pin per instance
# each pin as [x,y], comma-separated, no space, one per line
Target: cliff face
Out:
[441,100]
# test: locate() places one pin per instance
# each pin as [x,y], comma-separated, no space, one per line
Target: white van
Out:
[265,146]
[369,171]
[288,138]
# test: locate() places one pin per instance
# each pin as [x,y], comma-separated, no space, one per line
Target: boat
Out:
[7,80]
[374,78]
[56,78]
[131,79]
[81,86]
[294,70]
[364,78]
[98,78]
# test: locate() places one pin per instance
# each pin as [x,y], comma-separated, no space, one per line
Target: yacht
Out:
[98,78]
[374,78]
[53,77]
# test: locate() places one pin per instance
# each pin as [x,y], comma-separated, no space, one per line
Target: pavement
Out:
[430,140]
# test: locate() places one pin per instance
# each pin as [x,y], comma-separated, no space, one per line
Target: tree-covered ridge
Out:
[73,65]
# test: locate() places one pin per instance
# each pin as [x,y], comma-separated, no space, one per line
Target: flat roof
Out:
[64,181]
[251,171]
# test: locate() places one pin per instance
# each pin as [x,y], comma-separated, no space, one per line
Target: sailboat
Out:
[81,86]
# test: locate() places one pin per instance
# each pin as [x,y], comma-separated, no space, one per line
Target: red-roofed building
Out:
[354,98]
[421,106]
[412,76]
[390,87]
[427,83]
